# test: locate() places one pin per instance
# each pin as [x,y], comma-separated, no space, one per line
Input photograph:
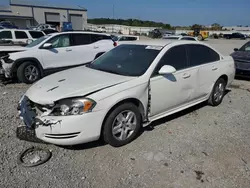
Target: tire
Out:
[26,67]
[219,88]
[115,138]
[199,38]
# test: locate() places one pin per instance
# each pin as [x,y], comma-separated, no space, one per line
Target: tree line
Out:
[142,23]
[129,22]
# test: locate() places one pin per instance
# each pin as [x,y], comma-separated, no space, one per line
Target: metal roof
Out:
[44,4]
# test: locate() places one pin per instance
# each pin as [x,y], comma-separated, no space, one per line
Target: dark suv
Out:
[242,60]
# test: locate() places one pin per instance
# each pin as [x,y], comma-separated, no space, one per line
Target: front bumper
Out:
[62,130]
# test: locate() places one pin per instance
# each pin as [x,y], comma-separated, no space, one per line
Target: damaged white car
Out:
[124,89]
[54,52]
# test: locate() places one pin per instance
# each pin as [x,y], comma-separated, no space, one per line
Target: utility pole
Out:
[113,17]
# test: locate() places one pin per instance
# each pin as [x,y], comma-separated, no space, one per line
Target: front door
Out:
[61,54]
[206,60]
[171,91]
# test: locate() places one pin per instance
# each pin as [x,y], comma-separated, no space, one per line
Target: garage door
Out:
[52,17]
[77,21]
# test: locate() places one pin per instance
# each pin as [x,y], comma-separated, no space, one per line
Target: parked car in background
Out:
[125,89]
[49,31]
[19,36]
[125,38]
[234,36]
[167,34]
[184,34]
[242,60]
[40,27]
[55,52]
[180,37]
[8,25]
[119,38]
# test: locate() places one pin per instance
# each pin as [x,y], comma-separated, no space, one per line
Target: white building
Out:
[236,28]
[30,13]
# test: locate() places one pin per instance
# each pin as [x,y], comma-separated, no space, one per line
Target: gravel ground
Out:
[201,147]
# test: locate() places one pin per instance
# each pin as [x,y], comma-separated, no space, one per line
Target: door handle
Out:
[214,68]
[68,50]
[95,47]
[185,75]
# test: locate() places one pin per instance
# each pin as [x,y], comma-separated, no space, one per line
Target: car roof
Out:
[161,42]
[83,32]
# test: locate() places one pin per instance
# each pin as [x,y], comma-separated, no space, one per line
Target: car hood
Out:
[241,55]
[76,82]
[12,48]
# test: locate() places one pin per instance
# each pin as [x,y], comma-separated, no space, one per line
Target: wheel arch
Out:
[134,101]
[225,77]
[18,62]
[99,54]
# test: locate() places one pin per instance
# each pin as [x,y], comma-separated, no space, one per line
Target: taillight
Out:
[115,43]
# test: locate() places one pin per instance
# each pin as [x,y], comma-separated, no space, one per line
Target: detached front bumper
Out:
[62,130]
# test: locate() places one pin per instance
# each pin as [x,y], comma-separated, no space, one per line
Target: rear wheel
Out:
[28,72]
[218,92]
[122,125]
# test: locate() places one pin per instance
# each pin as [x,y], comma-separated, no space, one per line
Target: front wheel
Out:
[122,125]
[28,72]
[218,92]
[200,38]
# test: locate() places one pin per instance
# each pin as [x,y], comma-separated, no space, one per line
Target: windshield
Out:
[38,41]
[245,47]
[127,59]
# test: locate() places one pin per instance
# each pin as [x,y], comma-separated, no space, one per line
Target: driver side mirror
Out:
[167,69]
[47,46]
[236,49]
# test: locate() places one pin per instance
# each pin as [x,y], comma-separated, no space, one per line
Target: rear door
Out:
[83,49]
[207,63]
[101,43]
[61,55]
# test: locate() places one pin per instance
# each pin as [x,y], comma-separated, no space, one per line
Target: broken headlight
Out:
[73,107]
[7,59]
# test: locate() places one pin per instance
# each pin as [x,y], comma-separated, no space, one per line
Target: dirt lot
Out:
[201,147]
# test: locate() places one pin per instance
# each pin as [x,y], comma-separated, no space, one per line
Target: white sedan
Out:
[126,88]
[180,37]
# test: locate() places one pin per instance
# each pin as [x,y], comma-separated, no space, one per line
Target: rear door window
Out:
[81,39]
[176,57]
[5,35]
[36,34]
[200,54]
[21,35]
[96,37]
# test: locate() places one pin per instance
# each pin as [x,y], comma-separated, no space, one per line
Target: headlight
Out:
[73,107]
